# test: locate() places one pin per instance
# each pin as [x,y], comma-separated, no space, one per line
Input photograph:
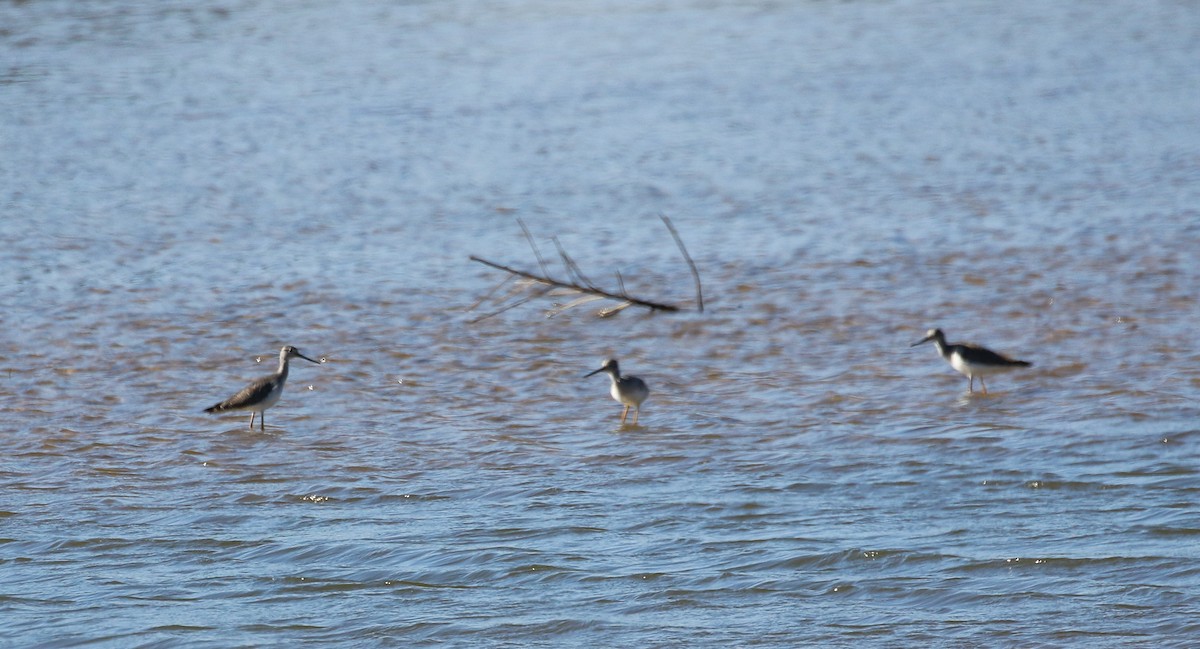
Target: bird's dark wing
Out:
[985,356]
[248,396]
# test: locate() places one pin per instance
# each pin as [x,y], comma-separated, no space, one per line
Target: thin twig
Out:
[512,305]
[688,259]
[614,310]
[507,279]
[573,269]
[536,253]
[579,301]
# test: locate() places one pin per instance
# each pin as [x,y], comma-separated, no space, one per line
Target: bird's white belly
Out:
[633,395]
[616,395]
[970,369]
[272,399]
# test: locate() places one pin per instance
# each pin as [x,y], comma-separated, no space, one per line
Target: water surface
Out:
[186,188]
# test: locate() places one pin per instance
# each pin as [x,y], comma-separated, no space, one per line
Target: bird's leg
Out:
[636,412]
[252,413]
[624,413]
[983,384]
[262,420]
[971,385]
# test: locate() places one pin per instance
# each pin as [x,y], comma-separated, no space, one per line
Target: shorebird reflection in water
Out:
[627,390]
[263,392]
[971,360]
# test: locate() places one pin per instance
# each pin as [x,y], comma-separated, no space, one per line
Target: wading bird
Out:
[263,392]
[628,390]
[971,360]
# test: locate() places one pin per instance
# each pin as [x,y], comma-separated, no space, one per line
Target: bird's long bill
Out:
[923,340]
[591,373]
[307,358]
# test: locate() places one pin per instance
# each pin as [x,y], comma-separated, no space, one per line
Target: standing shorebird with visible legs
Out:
[263,392]
[971,360]
[627,390]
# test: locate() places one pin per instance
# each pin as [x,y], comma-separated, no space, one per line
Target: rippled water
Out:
[188,187]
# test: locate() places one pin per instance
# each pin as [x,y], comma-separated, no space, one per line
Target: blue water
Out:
[184,189]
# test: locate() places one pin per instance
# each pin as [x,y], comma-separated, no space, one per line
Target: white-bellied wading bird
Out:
[971,360]
[628,390]
[263,392]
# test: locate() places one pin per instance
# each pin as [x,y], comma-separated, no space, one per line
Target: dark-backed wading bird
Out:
[971,360]
[627,390]
[263,392]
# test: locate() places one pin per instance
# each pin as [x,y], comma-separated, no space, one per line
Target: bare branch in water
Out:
[555,283]
[577,282]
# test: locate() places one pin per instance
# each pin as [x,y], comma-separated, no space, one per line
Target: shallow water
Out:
[188,188]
